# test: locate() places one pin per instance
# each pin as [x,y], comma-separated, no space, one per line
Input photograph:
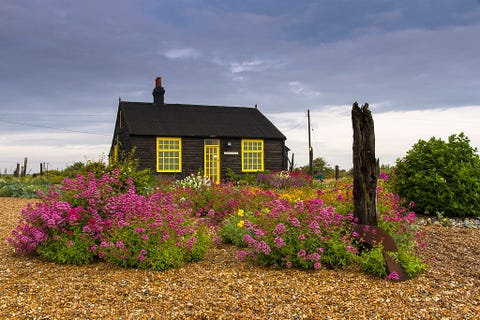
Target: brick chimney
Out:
[158,93]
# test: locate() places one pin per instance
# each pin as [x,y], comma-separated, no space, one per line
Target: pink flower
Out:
[288,264]
[211,213]
[302,253]
[352,249]
[279,242]
[248,239]
[384,176]
[393,276]
[301,237]
[295,222]
[69,243]
[313,257]
[314,225]
[241,254]
[317,265]
[259,233]
[279,229]
[263,247]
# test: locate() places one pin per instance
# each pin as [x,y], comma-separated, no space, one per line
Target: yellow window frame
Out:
[169,154]
[252,155]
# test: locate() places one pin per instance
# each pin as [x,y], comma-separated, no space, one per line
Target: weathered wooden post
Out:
[337,173]
[16,173]
[366,168]
[366,171]
[24,168]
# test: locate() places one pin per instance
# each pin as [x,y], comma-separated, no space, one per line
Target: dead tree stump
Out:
[366,169]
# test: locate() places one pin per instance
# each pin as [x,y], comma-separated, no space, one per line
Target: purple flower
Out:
[302,253]
[317,265]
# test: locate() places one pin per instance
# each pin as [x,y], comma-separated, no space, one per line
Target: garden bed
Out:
[222,287]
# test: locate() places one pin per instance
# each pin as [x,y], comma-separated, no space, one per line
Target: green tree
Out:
[441,177]
[320,167]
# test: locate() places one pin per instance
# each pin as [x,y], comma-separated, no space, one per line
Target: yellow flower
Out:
[240,223]
[240,212]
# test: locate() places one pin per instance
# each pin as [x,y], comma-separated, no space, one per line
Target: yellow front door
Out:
[212,159]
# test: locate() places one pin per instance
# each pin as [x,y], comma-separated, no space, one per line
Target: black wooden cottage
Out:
[180,139]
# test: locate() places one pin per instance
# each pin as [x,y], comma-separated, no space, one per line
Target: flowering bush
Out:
[317,231]
[194,181]
[222,200]
[89,218]
[304,235]
[233,228]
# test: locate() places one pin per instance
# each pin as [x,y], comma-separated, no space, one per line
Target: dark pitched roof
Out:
[196,121]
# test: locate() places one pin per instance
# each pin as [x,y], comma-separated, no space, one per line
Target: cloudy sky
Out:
[64,64]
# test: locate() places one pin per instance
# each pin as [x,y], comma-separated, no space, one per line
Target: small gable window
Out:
[252,155]
[169,154]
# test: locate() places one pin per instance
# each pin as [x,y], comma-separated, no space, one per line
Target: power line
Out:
[53,128]
[296,125]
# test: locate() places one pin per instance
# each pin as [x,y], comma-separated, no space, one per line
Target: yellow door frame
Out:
[211,154]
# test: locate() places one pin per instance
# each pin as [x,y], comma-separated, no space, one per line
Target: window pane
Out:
[169,154]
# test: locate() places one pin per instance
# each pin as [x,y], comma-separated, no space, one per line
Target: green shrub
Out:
[25,187]
[411,264]
[441,176]
[68,248]
[233,228]
[373,262]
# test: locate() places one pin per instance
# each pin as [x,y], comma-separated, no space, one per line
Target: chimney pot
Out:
[158,93]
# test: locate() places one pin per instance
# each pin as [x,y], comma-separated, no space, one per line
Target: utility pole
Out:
[310,150]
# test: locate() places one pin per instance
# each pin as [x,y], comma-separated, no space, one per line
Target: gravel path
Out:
[221,287]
